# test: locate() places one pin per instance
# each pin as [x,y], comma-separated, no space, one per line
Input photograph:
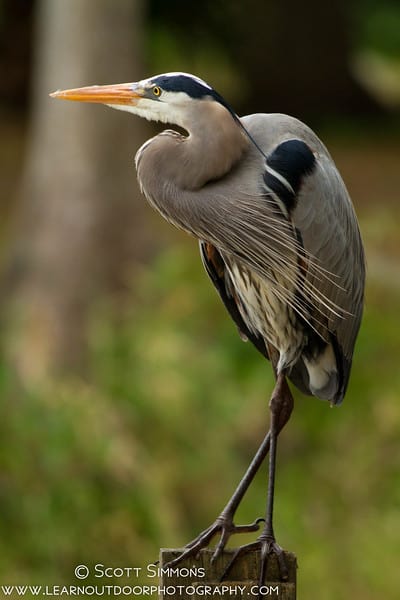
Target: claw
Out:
[226,534]
[282,564]
[194,547]
[220,546]
[267,546]
[223,525]
[249,528]
[238,552]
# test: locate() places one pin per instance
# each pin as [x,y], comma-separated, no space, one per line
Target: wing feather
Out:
[325,217]
[216,270]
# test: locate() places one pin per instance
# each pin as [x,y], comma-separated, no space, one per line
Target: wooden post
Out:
[199,574]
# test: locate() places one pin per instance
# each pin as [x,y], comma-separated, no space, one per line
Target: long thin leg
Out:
[249,475]
[281,406]
[224,522]
[280,411]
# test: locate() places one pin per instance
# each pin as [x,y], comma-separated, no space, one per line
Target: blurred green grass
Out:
[146,452]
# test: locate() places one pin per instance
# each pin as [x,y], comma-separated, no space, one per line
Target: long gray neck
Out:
[171,165]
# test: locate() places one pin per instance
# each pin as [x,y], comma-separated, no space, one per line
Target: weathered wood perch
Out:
[242,582]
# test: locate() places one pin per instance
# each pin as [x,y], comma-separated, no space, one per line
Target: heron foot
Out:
[266,545]
[225,527]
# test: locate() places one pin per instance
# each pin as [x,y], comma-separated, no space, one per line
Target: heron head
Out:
[169,98]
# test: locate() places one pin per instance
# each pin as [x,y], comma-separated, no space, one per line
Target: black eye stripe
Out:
[182,83]
[191,86]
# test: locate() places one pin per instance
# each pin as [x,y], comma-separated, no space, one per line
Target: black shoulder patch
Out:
[291,161]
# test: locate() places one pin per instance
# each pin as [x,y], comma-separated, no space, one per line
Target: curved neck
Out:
[214,145]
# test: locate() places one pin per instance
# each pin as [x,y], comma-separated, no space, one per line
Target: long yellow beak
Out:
[120,93]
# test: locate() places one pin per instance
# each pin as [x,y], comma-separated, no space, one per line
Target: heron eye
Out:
[156,90]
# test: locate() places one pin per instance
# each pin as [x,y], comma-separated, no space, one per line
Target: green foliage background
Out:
[146,453]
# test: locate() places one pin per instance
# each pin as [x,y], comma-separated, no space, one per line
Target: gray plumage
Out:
[278,238]
[297,279]
[277,230]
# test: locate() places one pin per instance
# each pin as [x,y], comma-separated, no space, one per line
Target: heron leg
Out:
[223,524]
[281,406]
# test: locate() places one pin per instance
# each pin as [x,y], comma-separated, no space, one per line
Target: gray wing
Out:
[322,214]
[304,224]
[284,214]
[326,220]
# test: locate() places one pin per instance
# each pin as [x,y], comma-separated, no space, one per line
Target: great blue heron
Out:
[278,238]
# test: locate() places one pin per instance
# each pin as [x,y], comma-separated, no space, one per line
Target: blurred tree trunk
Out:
[80,222]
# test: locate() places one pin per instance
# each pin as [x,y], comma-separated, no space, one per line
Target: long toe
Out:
[240,551]
[266,546]
[225,527]
[193,548]
[228,530]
